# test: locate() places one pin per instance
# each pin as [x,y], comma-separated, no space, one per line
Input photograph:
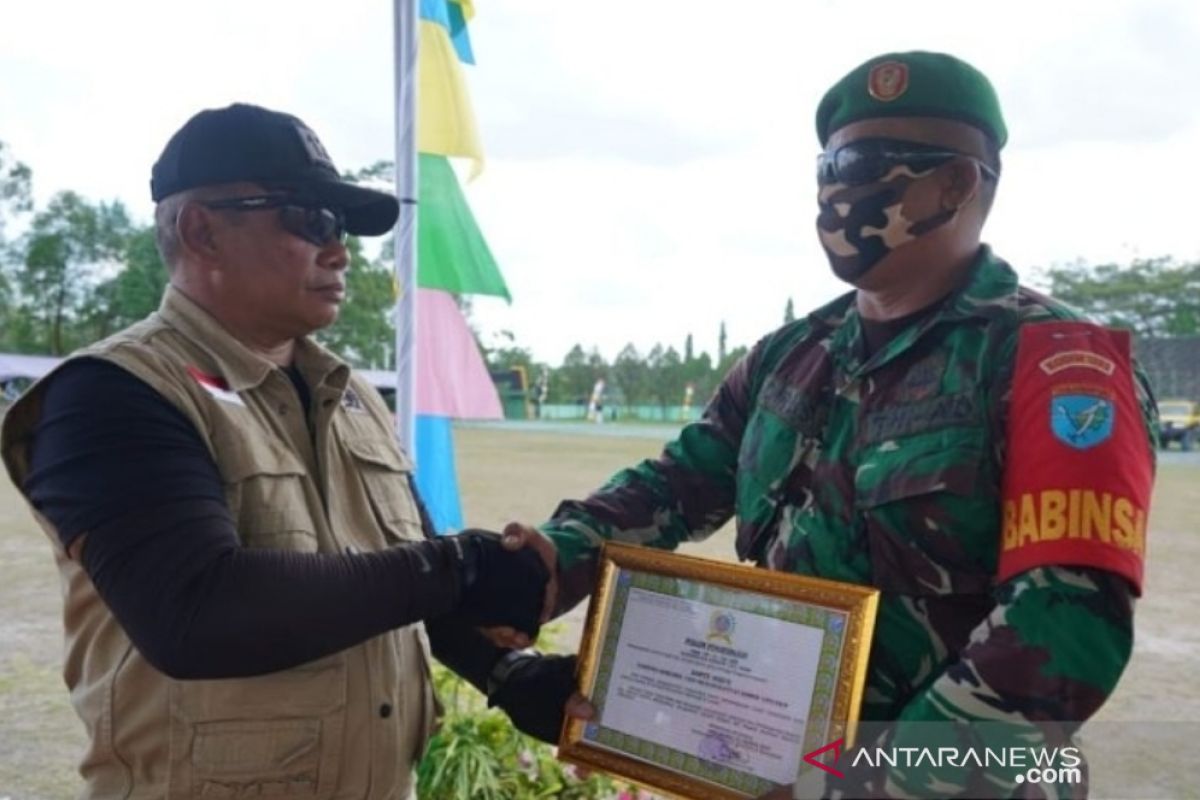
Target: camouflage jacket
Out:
[885,471]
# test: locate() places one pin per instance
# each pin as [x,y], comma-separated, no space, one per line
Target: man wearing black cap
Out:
[971,448]
[246,568]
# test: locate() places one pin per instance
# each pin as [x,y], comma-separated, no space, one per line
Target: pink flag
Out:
[452,379]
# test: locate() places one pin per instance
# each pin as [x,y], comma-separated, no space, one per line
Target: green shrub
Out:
[478,755]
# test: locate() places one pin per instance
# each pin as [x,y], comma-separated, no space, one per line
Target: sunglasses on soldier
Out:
[308,219]
[868,160]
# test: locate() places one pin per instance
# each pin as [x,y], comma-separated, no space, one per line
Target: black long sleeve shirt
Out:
[112,459]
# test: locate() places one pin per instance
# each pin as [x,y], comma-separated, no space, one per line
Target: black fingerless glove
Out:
[497,586]
[534,691]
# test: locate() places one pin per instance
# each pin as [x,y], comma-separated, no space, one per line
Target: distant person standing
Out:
[595,408]
[539,394]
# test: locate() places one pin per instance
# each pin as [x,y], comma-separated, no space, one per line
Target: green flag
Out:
[452,254]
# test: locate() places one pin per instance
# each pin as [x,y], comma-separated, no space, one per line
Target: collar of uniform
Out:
[241,368]
[322,370]
[992,284]
[833,314]
[829,322]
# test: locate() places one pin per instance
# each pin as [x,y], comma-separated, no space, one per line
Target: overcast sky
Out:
[650,165]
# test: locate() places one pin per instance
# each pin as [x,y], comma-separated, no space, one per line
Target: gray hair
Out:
[166,220]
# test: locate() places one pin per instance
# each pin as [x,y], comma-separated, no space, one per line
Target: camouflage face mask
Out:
[859,225]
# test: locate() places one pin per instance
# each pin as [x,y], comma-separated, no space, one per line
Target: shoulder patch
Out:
[1079,473]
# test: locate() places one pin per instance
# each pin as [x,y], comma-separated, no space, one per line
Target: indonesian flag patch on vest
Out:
[1079,471]
[216,386]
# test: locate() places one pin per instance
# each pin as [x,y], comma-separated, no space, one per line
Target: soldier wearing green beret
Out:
[881,440]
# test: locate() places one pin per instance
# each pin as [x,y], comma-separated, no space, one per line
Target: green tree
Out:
[597,369]
[141,284]
[69,248]
[1151,297]
[364,333]
[572,382]
[132,295]
[670,378]
[632,376]
[731,358]
[699,372]
[16,188]
[15,200]
[789,312]
[511,357]
[19,331]
[506,354]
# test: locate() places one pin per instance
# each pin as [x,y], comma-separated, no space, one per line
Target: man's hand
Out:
[518,536]
[500,585]
[538,692]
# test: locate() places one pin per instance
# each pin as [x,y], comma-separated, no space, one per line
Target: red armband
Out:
[1079,471]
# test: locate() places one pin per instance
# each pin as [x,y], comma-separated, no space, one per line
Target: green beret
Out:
[916,84]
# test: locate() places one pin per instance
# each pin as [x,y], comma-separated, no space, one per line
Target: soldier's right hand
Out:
[499,586]
[521,537]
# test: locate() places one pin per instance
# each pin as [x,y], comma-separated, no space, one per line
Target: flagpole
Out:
[405,52]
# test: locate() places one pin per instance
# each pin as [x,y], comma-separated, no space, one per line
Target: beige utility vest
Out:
[350,725]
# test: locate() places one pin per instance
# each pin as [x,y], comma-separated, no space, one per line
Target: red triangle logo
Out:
[836,747]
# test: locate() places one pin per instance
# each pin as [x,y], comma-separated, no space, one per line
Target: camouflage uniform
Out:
[886,471]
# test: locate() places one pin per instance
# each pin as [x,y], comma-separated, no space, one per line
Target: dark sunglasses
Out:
[301,217]
[868,160]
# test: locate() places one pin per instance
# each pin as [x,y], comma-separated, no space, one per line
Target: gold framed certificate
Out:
[714,680]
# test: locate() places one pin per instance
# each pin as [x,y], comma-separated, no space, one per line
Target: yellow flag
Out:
[445,120]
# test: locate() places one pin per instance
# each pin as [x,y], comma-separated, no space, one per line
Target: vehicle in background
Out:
[1179,421]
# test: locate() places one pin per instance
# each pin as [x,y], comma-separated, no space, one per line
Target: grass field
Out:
[1143,745]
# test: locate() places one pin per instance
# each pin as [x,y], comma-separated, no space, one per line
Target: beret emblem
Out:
[888,80]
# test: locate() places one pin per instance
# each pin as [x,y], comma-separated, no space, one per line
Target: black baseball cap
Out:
[249,143]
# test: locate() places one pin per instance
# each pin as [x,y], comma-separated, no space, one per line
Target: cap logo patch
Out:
[313,146]
[888,80]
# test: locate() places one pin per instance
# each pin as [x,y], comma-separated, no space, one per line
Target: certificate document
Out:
[716,690]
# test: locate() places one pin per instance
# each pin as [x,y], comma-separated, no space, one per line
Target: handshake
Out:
[505,587]
[508,588]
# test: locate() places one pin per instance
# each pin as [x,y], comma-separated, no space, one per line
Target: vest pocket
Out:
[264,487]
[385,473]
[278,735]
[263,759]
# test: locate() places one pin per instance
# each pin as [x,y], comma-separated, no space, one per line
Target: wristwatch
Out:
[509,663]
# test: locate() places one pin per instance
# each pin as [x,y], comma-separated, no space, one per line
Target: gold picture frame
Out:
[657,670]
